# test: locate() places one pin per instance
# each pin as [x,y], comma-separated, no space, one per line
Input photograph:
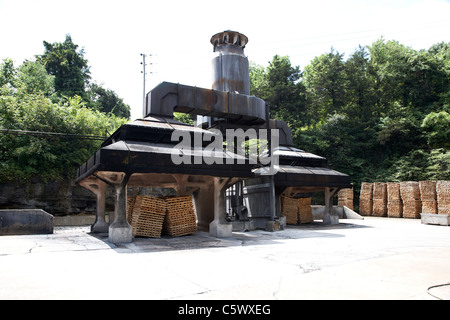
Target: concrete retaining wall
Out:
[19,222]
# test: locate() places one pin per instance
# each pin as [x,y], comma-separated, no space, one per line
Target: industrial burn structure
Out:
[158,151]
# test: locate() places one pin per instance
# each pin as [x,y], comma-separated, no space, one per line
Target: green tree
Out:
[436,127]
[68,65]
[33,78]
[279,84]
[358,85]
[325,85]
[26,104]
[49,157]
[107,101]
[7,72]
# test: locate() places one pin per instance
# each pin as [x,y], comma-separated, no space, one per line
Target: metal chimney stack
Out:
[230,67]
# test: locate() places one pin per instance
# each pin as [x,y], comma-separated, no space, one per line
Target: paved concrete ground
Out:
[374,258]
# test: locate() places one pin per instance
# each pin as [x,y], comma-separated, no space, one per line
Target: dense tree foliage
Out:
[382,114]
[67,65]
[50,113]
[71,77]
[106,101]
[23,156]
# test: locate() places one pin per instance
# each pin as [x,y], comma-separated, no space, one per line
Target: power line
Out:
[54,134]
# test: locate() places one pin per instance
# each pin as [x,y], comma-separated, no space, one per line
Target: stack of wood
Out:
[152,216]
[296,210]
[365,199]
[412,205]
[289,208]
[180,216]
[443,197]
[379,199]
[130,207]
[345,198]
[148,216]
[304,210]
[428,196]
[394,200]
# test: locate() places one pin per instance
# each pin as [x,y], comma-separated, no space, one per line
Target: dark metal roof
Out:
[145,146]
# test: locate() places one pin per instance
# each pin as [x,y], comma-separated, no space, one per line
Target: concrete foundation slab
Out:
[440,219]
[26,221]
[375,258]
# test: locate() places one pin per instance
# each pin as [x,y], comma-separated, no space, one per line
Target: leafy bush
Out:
[49,157]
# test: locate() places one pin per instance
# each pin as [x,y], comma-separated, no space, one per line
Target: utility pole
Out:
[143,72]
[144,111]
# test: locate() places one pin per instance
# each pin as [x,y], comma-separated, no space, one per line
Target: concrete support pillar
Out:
[204,205]
[328,217]
[120,230]
[98,187]
[100,225]
[220,227]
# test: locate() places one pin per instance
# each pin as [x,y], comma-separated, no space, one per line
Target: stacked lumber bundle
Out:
[130,207]
[289,208]
[412,205]
[304,210]
[365,199]
[379,199]
[443,196]
[405,199]
[428,196]
[394,200]
[148,216]
[151,216]
[180,216]
[345,198]
[296,210]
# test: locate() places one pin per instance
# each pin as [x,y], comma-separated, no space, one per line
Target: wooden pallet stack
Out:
[365,199]
[412,205]
[304,210]
[345,198]
[180,216]
[443,196]
[289,208]
[148,216]
[130,207]
[428,196]
[152,216]
[379,199]
[394,200]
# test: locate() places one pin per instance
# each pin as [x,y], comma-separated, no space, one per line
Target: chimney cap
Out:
[229,38]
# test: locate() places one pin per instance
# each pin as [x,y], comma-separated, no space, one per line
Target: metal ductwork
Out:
[167,98]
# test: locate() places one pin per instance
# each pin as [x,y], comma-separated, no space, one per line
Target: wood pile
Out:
[379,208]
[345,198]
[428,196]
[406,199]
[304,210]
[151,216]
[412,205]
[365,199]
[289,208]
[180,217]
[443,196]
[148,216]
[296,210]
[394,200]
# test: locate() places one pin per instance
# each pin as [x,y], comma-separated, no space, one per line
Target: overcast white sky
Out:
[114,33]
